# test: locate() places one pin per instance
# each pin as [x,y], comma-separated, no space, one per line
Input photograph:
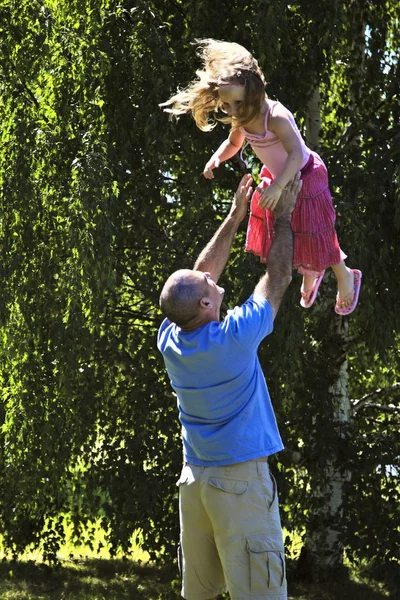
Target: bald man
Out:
[231,536]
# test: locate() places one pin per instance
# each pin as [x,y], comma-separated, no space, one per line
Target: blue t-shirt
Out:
[223,400]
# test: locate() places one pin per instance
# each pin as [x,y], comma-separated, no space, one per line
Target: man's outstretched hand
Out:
[242,197]
[288,197]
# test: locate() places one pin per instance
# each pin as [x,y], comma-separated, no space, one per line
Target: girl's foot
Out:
[348,292]
[346,286]
[309,289]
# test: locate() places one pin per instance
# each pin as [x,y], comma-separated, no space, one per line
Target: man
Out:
[231,536]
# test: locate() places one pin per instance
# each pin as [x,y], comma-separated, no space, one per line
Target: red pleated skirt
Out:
[316,246]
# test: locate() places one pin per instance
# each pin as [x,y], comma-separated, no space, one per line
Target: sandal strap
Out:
[341,302]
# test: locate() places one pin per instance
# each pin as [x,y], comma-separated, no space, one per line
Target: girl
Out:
[232,81]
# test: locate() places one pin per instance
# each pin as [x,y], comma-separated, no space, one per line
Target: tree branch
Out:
[386,408]
[369,399]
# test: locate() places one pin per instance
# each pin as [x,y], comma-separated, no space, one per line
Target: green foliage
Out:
[102,198]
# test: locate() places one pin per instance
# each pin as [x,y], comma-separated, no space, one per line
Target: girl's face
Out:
[232,99]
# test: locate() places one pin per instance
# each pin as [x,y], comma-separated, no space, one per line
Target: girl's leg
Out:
[349,283]
[345,279]
[309,278]
[309,288]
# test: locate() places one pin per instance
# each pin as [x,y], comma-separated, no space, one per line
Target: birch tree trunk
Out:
[323,552]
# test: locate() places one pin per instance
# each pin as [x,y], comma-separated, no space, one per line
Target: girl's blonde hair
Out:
[223,63]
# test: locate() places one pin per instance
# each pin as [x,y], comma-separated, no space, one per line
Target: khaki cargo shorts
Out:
[231,536]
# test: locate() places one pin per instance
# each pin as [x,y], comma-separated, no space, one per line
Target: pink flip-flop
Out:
[340,306]
[311,293]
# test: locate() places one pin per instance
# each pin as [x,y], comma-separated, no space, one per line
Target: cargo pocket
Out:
[267,564]
[232,486]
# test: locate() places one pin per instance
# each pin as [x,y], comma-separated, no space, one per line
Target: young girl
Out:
[232,81]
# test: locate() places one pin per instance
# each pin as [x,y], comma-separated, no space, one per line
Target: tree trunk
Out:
[323,552]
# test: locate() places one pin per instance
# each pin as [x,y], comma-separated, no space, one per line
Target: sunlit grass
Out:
[83,580]
[84,574]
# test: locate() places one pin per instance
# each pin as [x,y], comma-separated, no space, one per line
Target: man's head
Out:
[191,299]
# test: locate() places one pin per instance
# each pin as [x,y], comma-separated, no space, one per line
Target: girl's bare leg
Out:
[345,279]
[308,281]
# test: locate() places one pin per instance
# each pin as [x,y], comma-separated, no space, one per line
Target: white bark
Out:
[323,542]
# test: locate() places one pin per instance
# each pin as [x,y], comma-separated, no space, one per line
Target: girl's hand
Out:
[269,197]
[213,163]
[288,198]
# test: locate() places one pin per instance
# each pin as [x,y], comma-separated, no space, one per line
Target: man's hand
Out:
[242,197]
[288,197]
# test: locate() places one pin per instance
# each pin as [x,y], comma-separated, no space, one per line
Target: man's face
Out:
[209,290]
[214,291]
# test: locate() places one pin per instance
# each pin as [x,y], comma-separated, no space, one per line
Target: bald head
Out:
[181,295]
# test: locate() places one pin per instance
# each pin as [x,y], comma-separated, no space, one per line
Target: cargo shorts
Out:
[231,536]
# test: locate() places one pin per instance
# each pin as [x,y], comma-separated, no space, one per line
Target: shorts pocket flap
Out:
[259,543]
[232,486]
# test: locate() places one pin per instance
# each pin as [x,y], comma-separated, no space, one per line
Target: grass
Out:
[90,579]
[84,575]
[102,579]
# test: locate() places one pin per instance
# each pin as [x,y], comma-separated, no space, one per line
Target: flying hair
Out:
[223,63]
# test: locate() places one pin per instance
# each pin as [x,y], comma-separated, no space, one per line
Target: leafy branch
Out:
[369,400]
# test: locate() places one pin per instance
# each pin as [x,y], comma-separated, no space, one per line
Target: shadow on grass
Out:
[345,584]
[99,579]
[349,590]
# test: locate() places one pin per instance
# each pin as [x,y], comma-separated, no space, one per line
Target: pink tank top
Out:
[269,147]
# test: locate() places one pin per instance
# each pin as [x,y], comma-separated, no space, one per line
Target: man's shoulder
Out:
[164,331]
[254,302]
[250,322]
[255,306]
[168,329]
[165,323]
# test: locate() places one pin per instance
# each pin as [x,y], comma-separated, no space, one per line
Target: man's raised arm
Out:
[278,276]
[215,255]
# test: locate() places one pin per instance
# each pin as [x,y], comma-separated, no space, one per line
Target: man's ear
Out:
[205,302]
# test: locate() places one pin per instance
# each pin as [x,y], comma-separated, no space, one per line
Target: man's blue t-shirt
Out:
[223,400]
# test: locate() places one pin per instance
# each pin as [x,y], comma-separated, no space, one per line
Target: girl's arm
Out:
[227,149]
[282,125]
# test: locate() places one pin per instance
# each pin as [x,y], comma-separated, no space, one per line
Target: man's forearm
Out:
[280,258]
[279,264]
[215,255]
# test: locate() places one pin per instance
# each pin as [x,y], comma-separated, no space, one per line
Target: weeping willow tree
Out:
[102,197]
